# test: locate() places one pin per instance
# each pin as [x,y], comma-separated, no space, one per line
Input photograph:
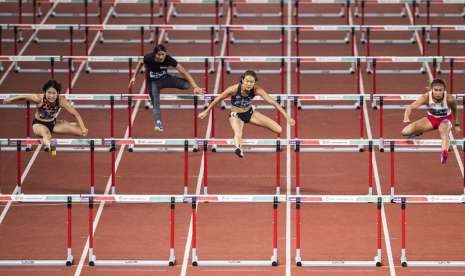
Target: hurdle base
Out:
[34,262]
[434,263]
[245,149]
[332,149]
[417,149]
[235,263]
[134,262]
[328,107]
[322,15]
[338,263]
[237,14]
[160,149]
[402,13]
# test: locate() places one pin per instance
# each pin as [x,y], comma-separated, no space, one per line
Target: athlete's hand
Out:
[291,121]
[203,114]
[198,90]
[131,82]
[84,131]
[457,128]
[6,101]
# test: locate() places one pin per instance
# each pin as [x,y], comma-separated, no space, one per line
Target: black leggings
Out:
[166,82]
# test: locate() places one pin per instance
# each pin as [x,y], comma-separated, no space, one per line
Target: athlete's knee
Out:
[406,131]
[278,129]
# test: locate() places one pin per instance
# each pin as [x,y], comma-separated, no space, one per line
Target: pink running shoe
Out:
[444,155]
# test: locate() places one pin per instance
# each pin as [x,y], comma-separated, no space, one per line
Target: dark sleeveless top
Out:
[238,100]
[48,110]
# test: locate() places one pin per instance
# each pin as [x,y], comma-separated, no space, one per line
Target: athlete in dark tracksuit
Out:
[156,65]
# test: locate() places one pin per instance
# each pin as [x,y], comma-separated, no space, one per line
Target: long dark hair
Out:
[249,73]
[159,48]
[52,83]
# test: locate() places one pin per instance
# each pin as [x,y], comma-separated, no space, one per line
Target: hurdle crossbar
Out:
[69,260]
[267,59]
[440,199]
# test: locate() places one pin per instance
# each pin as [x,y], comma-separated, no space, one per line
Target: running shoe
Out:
[239,152]
[158,126]
[53,147]
[444,155]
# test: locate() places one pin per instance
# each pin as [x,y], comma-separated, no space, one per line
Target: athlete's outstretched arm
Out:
[190,79]
[262,93]
[423,99]
[28,97]
[226,93]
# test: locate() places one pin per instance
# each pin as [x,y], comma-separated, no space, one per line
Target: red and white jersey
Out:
[438,109]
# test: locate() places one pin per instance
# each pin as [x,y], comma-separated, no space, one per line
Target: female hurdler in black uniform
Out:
[45,118]
[242,110]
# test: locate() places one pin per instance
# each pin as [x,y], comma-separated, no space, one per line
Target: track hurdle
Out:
[362,6]
[85,14]
[151,13]
[248,145]
[62,145]
[427,199]
[428,14]
[162,145]
[343,11]
[69,260]
[412,145]
[333,145]
[217,14]
[36,12]
[235,13]
[196,261]
[336,199]
[172,200]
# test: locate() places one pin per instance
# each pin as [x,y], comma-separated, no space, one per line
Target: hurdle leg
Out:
[18,166]
[172,257]
[391,178]
[274,257]
[69,258]
[194,233]
[92,257]
[403,255]
[205,167]
[92,167]
[378,231]
[298,257]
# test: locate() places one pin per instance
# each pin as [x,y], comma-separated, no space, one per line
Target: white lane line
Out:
[288,266]
[387,237]
[187,247]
